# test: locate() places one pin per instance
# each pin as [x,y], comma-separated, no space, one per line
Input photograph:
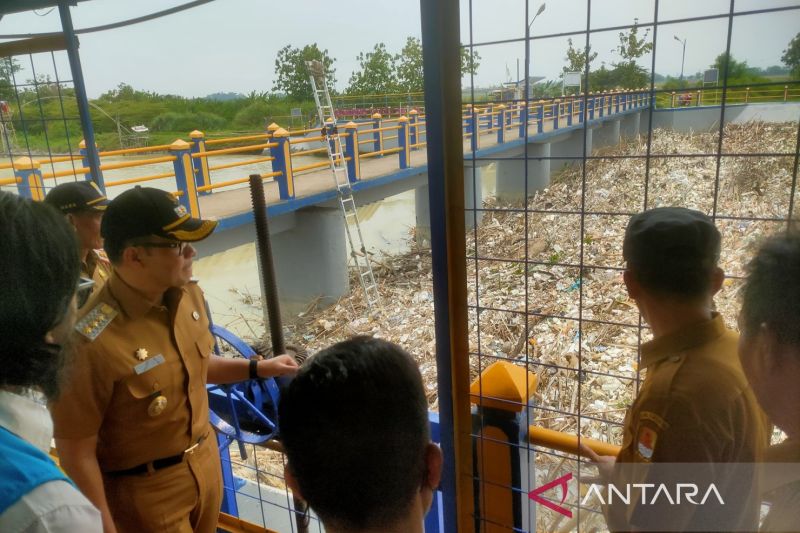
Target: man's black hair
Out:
[40,267]
[672,251]
[771,293]
[354,423]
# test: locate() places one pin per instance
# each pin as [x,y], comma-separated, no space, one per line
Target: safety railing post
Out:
[501,121]
[569,112]
[413,117]
[282,163]
[489,116]
[85,163]
[403,142]
[785,93]
[202,176]
[540,117]
[500,420]
[472,126]
[229,504]
[616,102]
[351,153]
[590,105]
[523,119]
[602,107]
[377,135]
[556,110]
[184,176]
[29,178]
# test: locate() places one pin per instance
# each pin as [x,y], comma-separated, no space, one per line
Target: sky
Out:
[231,45]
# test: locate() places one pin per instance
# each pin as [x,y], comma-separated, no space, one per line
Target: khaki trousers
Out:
[182,498]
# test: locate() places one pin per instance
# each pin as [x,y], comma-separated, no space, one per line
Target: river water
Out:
[229,277]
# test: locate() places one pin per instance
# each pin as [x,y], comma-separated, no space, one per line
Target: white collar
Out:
[25,414]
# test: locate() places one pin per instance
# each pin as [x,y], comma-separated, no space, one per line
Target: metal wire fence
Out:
[544,258]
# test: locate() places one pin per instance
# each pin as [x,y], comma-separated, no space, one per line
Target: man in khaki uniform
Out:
[132,425]
[83,205]
[770,353]
[694,405]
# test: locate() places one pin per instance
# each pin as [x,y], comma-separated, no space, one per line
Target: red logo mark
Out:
[562,481]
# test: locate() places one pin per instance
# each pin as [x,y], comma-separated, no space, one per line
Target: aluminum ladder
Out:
[333,141]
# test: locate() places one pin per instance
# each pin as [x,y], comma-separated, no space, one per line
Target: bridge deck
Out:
[232,207]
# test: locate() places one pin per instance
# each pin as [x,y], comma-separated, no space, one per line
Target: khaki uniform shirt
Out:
[97,267]
[783,494]
[140,384]
[694,406]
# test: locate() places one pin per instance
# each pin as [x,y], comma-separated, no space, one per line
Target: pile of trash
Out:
[559,263]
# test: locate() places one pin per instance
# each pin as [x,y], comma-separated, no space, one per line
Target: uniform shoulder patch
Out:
[646,442]
[95,321]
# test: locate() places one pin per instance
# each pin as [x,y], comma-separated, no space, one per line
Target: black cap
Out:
[671,236]
[77,196]
[144,211]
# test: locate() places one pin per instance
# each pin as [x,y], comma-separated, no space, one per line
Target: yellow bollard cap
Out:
[280,132]
[197,134]
[402,118]
[273,127]
[504,386]
[179,144]
[377,115]
[351,125]
[26,163]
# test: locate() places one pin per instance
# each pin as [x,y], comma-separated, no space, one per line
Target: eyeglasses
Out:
[84,290]
[180,246]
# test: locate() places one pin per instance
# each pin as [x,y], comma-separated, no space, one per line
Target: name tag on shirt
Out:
[151,363]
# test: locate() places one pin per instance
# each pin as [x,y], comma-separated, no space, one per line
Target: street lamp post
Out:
[683,55]
[528,53]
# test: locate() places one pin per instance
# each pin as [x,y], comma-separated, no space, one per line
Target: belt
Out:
[158,464]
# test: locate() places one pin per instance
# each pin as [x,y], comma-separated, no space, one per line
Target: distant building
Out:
[515,90]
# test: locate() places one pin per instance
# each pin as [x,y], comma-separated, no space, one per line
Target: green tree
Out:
[469,62]
[409,65]
[631,47]
[626,74]
[8,66]
[791,56]
[576,58]
[291,74]
[735,69]
[377,74]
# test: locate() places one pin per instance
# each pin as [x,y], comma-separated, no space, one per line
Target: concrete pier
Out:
[511,173]
[607,135]
[473,196]
[630,125]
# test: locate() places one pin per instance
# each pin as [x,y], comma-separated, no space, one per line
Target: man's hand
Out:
[282,365]
[605,463]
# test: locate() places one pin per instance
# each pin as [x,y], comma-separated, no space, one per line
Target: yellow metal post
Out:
[29,178]
[202,175]
[501,392]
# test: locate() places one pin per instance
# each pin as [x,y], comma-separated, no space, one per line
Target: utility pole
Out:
[683,55]
[528,52]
